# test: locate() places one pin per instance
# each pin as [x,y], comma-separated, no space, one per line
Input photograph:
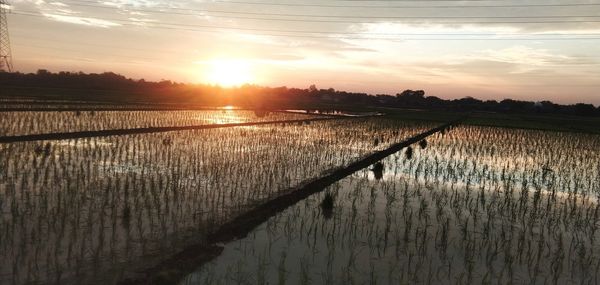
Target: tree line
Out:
[110,86]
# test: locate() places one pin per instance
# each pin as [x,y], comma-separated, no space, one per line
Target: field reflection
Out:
[94,210]
[469,208]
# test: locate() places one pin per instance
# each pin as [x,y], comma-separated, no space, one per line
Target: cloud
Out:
[400,30]
[82,20]
[136,3]
[58,4]
[523,59]
[524,55]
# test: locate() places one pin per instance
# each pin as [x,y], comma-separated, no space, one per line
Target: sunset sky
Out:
[494,49]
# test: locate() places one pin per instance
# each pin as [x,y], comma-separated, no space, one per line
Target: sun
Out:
[228,72]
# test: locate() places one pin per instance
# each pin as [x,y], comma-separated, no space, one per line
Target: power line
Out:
[408,18]
[327,35]
[401,1]
[155,51]
[44,47]
[128,48]
[334,35]
[395,7]
[422,0]
[314,15]
[410,6]
[334,21]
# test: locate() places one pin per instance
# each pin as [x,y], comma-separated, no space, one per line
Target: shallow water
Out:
[94,210]
[424,223]
[35,122]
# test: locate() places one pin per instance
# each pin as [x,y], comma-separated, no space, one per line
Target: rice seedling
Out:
[378,170]
[409,152]
[423,143]
[327,205]
[38,122]
[482,210]
[94,210]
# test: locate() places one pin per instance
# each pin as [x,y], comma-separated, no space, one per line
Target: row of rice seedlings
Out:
[452,213]
[33,104]
[555,162]
[78,208]
[23,123]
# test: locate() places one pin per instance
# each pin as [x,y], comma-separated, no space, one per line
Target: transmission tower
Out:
[5,54]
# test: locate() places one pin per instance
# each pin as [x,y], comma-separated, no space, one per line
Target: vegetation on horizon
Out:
[110,86]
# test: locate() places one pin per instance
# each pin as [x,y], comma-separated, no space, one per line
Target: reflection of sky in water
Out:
[121,167]
[334,112]
[23,123]
[200,165]
[82,143]
[284,244]
[301,242]
[227,116]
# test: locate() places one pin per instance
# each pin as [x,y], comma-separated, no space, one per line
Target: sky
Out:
[488,49]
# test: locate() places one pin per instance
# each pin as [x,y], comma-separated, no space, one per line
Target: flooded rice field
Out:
[41,122]
[476,205]
[94,210]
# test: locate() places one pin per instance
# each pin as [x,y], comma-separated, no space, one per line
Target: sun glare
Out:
[228,72]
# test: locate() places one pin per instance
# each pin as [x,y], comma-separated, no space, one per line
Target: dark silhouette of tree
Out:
[112,87]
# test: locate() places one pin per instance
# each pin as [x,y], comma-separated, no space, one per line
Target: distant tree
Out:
[410,98]
[434,102]
[584,109]
[419,94]
[105,86]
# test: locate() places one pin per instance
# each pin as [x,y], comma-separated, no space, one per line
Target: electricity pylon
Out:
[5,54]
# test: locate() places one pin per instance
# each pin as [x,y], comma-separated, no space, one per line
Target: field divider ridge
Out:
[149,130]
[173,269]
[160,109]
